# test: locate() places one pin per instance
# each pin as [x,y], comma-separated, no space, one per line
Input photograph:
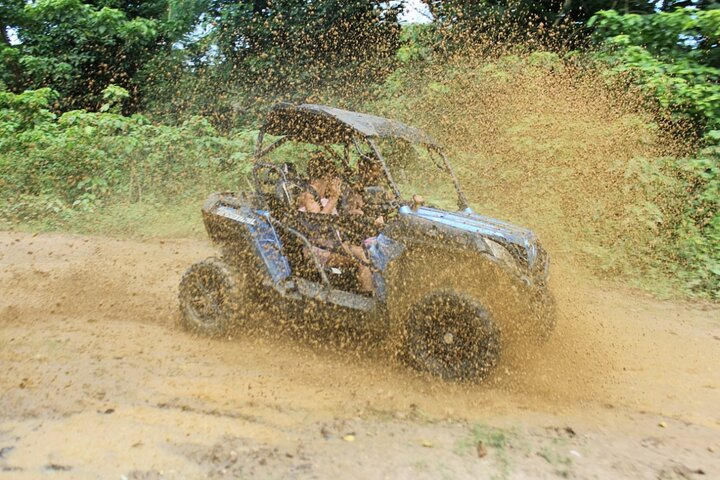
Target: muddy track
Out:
[98,382]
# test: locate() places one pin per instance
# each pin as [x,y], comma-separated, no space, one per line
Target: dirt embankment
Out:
[98,382]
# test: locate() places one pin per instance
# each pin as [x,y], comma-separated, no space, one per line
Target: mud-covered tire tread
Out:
[522,315]
[215,276]
[475,350]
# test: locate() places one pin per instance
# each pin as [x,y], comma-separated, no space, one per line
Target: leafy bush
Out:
[51,167]
[698,233]
[20,113]
[673,57]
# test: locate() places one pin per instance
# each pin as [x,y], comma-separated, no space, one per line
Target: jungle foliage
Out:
[79,48]
[60,170]
[114,103]
[674,57]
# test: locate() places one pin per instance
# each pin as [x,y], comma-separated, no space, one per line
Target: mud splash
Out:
[553,144]
[92,352]
[99,280]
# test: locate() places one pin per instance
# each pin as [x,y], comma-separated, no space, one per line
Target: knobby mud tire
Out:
[514,311]
[212,298]
[452,337]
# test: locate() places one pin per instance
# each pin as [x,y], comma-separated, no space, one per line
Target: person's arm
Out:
[330,205]
[307,200]
[333,196]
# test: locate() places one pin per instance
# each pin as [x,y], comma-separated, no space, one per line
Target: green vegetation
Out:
[75,169]
[79,48]
[555,455]
[486,440]
[600,129]
[502,446]
[674,58]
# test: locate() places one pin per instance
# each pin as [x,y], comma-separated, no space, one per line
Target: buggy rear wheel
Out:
[451,336]
[211,297]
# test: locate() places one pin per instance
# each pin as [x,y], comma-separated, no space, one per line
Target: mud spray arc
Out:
[99,380]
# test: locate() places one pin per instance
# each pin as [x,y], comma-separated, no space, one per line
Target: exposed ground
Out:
[97,381]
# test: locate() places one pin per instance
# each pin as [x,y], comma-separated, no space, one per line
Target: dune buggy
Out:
[449,288]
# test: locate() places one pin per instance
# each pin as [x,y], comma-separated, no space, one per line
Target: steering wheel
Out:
[271,178]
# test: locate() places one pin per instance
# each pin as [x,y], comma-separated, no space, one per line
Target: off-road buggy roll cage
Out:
[448,286]
[322,125]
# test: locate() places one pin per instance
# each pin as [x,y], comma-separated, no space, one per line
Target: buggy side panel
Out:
[381,253]
[233,223]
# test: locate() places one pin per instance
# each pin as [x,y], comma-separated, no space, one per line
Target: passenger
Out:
[322,196]
[369,174]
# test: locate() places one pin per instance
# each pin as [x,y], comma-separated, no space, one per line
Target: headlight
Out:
[501,253]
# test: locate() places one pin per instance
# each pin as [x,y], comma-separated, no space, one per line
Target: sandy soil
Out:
[97,381]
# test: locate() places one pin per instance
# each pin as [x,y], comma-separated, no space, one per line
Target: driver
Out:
[369,174]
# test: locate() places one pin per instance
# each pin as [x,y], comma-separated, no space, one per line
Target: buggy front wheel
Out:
[451,336]
[211,297]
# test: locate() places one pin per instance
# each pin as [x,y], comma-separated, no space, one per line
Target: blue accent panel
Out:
[269,247]
[381,252]
[384,249]
[263,234]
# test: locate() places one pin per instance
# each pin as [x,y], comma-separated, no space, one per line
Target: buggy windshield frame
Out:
[323,125]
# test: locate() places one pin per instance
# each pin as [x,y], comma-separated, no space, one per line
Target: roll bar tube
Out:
[308,245]
[462,200]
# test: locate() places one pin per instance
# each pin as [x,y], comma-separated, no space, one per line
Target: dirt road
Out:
[98,382]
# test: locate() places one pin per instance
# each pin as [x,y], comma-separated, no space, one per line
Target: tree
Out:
[513,21]
[681,35]
[673,54]
[10,14]
[294,43]
[79,48]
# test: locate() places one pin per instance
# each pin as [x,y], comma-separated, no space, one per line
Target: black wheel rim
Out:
[452,339]
[206,296]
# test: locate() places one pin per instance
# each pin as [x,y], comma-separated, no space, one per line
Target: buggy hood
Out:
[467,228]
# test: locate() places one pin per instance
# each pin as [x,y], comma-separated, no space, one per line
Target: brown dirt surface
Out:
[99,382]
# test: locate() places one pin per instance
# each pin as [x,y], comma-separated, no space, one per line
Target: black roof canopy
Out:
[321,124]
